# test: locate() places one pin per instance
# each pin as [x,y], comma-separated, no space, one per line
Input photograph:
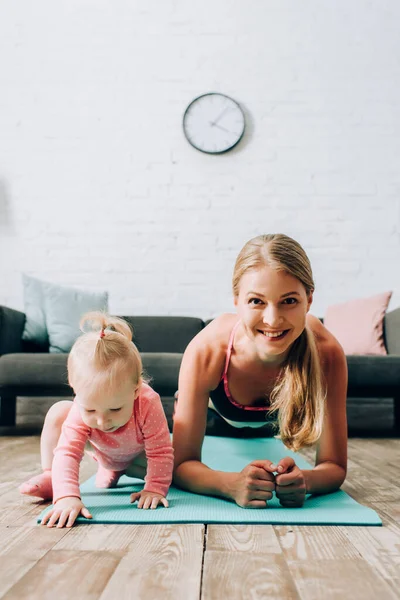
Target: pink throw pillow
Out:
[358,324]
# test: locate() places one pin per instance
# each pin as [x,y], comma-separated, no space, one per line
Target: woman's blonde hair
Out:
[104,356]
[299,393]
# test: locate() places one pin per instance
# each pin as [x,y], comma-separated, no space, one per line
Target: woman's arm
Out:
[331,458]
[200,372]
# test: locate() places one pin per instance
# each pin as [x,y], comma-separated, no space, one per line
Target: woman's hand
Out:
[148,499]
[254,485]
[290,483]
[65,511]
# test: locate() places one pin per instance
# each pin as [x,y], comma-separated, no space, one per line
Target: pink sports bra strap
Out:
[229,350]
[224,378]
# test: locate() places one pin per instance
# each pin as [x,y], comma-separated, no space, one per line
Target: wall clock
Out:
[213,123]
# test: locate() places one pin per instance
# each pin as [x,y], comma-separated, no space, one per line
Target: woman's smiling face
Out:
[272,306]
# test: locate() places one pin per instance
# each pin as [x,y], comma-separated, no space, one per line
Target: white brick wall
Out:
[98,187]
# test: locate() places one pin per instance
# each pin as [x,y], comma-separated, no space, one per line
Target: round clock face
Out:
[213,123]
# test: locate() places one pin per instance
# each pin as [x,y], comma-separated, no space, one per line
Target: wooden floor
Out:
[197,561]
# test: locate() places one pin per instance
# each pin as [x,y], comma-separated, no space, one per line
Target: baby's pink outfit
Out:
[146,430]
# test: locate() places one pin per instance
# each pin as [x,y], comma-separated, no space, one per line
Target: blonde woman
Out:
[116,412]
[272,362]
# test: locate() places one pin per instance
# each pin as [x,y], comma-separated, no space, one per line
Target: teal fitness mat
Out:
[224,454]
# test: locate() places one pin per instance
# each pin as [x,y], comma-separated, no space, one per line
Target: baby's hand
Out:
[65,511]
[148,499]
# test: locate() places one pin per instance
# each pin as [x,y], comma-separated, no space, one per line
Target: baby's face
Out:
[108,412]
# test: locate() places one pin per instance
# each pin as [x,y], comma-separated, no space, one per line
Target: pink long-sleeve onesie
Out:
[146,430]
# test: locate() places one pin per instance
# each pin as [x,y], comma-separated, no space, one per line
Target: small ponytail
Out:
[100,321]
[104,351]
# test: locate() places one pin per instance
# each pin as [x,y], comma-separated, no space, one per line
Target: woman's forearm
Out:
[194,476]
[324,478]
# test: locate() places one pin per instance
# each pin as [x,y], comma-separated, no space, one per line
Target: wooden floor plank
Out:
[66,574]
[104,537]
[16,510]
[392,509]
[314,543]
[380,547]
[389,512]
[242,538]
[20,460]
[324,563]
[376,460]
[245,561]
[17,516]
[379,449]
[163,561]
[338,579]
[21,548]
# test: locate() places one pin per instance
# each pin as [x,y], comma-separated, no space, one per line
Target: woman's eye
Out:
[89,411]
[115,409]
[290,301]
[255,301]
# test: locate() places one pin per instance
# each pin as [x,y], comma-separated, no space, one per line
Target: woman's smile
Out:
[274,336]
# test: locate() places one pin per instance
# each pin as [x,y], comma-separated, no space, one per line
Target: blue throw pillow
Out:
[62,308]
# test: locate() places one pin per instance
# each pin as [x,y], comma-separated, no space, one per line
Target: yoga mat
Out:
[224,454]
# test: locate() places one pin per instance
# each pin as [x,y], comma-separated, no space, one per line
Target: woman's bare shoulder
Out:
[221,324]
[207,350]
[330,351]
[216,334]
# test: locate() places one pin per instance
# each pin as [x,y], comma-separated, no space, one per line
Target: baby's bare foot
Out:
[40,486]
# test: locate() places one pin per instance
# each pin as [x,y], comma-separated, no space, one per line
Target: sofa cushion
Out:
[34,369]
[373,371]
[162,369]
[50,371]
[164,334]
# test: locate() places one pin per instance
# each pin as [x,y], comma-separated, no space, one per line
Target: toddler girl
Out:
[114,410]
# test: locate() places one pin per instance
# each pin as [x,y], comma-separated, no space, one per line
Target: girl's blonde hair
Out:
[299,393]
[104,356]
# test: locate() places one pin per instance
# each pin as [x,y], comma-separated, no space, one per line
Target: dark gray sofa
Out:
[30,370]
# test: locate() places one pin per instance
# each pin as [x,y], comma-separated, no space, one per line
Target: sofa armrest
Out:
[11,328]
[391,327]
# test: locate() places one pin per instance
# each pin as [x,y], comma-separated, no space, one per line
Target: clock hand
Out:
[220,116]
[220,127]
